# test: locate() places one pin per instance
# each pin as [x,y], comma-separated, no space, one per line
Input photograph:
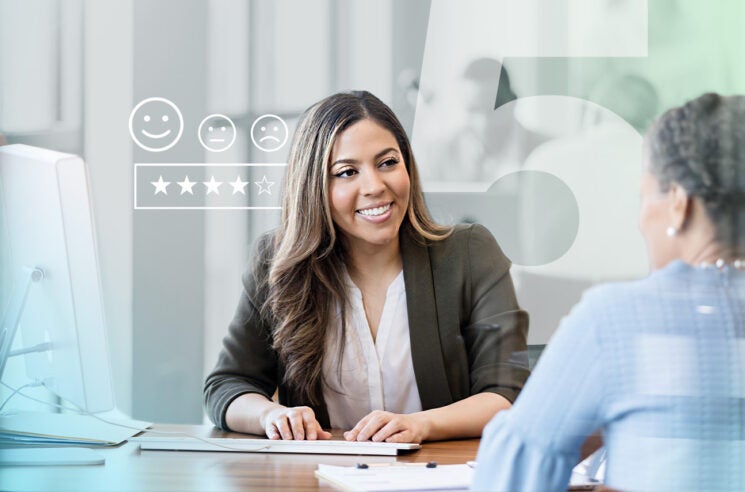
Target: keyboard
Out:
[248,445]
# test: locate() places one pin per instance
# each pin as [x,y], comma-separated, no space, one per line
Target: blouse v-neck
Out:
[375,374]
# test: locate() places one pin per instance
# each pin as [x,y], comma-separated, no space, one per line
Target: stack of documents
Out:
[397,477]
[67,429]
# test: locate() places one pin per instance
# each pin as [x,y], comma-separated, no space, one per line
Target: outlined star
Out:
[212,185]
[160,185]
[264,185]
[239,186]
[186,185]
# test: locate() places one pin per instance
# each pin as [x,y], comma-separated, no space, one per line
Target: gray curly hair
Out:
[701,147]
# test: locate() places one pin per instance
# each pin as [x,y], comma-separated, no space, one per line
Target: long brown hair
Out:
[306,275]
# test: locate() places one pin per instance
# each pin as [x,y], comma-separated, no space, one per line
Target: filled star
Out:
[239,186]
[186,185]
[160,186]
[264,185]
[212,185]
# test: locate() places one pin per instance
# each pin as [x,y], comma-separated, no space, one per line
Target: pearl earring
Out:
[671,231]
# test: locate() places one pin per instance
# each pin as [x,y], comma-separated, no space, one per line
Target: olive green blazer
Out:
[468,334]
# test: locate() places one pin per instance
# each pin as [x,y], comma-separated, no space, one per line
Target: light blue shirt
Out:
[658,365]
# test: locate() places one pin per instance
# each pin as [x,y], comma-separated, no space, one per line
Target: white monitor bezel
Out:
[49,219]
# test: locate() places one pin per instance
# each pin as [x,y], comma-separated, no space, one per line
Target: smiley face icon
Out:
[216,133]
[269,132]
[156,124]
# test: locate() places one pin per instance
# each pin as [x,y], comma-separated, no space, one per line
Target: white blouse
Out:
[375,375]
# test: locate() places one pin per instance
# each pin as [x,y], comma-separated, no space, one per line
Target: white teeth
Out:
[375,211]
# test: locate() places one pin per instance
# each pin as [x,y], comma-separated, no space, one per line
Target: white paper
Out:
[62,427]
[404,476]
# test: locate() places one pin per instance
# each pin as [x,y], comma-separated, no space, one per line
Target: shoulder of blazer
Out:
[455,247]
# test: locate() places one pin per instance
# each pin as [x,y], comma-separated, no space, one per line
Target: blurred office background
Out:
[587,75]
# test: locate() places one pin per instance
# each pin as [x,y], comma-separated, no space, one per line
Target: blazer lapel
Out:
[424,333]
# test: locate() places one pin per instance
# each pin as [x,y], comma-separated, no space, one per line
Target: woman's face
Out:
[654,218]
[368,185]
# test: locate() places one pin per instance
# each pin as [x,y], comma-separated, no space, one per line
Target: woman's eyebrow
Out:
[355,161]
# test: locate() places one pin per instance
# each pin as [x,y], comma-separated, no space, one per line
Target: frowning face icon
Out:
[156,124]
[269,132]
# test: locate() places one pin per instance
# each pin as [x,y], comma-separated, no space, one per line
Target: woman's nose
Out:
[372,183]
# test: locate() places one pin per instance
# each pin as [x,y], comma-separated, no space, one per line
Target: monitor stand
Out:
[13,315]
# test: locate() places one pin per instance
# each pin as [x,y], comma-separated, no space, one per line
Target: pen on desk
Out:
[365,466]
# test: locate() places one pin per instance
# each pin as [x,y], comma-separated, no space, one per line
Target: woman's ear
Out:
[681,206]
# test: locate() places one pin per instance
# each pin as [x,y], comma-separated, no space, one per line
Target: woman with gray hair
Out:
[656,365]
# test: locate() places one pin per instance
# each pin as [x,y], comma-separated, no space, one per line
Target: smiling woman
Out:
[369,188]
[364,313]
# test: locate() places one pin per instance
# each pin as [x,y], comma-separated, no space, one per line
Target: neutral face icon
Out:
[269,132]
[216,133]
[156,124]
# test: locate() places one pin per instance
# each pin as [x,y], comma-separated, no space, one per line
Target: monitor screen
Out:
[56,294]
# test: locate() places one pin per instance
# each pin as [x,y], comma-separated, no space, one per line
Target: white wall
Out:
[108,151]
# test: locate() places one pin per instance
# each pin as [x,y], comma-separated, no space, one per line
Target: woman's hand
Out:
[390,427]
[292,423]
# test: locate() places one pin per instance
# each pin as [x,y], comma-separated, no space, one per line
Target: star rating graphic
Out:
[264,185]
[239,186]
[186,185]
[212,186]
[160,185]
[215,186]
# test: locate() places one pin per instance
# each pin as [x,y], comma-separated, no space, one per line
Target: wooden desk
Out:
[129,469]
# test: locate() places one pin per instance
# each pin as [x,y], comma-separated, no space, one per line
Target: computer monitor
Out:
[56,305]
